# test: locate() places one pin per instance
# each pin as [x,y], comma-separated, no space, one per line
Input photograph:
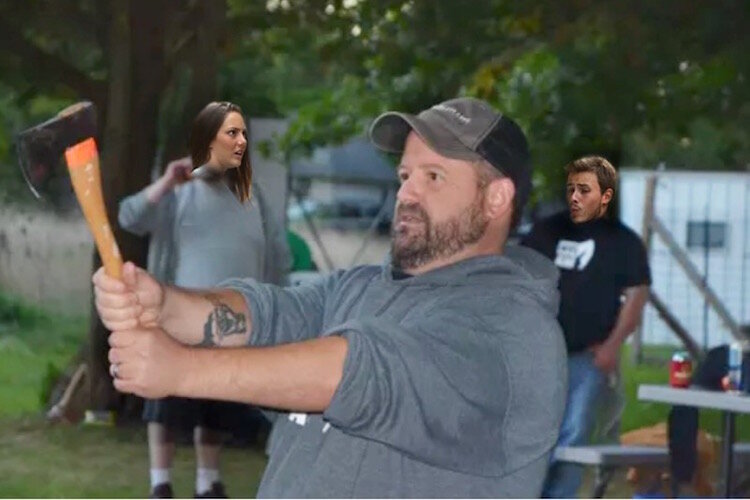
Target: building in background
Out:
[708,214]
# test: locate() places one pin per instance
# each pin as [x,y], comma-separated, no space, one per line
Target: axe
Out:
[71,133]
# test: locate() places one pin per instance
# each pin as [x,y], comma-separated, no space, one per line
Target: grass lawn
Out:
[38,460]
[34,347]
[41,460]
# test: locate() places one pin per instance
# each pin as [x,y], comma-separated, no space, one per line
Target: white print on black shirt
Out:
[574,254]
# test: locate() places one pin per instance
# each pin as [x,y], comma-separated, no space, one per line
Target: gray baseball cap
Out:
[464,129]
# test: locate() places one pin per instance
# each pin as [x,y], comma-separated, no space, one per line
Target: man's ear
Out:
[607,196]
[499,197]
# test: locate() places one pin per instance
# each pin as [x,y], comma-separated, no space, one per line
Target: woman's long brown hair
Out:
[205,127]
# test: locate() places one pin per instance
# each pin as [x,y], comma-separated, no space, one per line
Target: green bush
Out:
[15,313]
[35,348]
[51,376]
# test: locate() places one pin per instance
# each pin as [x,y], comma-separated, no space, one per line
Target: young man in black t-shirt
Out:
[604,280]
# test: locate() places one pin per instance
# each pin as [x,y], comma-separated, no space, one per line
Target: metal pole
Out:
[706,248]
[647,237]
[744,256]
[727,450]
[705,282]
[385,203]
[314,232]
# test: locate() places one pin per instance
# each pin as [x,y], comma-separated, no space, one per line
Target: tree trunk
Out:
[138,75]
[136,80]
[206,22]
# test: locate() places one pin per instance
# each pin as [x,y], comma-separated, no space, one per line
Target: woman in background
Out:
[204,230]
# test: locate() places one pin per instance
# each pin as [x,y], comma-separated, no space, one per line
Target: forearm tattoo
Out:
[221,323]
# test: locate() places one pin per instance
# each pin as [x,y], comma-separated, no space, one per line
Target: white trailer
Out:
[708,214]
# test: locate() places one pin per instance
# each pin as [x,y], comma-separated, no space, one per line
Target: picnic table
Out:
[730,404]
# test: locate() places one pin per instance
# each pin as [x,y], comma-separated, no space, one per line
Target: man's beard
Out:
[425,242]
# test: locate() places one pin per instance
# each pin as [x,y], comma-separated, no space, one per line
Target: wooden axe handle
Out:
[83,165]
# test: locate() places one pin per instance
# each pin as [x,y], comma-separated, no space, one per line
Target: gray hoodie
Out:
[454,381]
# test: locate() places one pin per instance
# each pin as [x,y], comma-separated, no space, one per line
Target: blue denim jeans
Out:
[585,382]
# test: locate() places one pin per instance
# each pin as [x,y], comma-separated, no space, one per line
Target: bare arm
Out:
[138,213]
[210,318]
[177,172]
[607,354]
[630,314]
[298,376]
[217,317]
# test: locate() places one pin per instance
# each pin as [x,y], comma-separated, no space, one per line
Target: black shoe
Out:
[163,490]
[217,491]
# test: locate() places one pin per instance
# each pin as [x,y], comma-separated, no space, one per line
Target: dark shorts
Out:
[182,413]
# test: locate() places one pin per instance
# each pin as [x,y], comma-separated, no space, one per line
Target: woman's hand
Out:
[178,172]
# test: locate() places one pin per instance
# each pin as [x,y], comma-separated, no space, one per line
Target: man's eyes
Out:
[433,176]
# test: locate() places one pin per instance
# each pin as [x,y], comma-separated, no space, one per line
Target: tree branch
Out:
[40,62]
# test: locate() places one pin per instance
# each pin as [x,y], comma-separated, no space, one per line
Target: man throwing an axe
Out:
[441,374]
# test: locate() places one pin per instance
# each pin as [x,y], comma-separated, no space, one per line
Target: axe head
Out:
[40,149]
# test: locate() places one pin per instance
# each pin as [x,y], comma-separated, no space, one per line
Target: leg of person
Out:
[208,439]
[165,416]
[610,407]
[585,381]
[207,478]
[161,449]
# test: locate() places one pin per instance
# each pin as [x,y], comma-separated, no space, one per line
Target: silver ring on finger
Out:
[114,370]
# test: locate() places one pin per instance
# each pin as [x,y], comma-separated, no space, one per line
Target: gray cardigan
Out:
[138,216]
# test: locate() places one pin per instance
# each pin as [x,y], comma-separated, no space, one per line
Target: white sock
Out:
[159,476]
[204,479]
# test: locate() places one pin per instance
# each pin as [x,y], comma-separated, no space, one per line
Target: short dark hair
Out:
[606,174]
[205,127]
